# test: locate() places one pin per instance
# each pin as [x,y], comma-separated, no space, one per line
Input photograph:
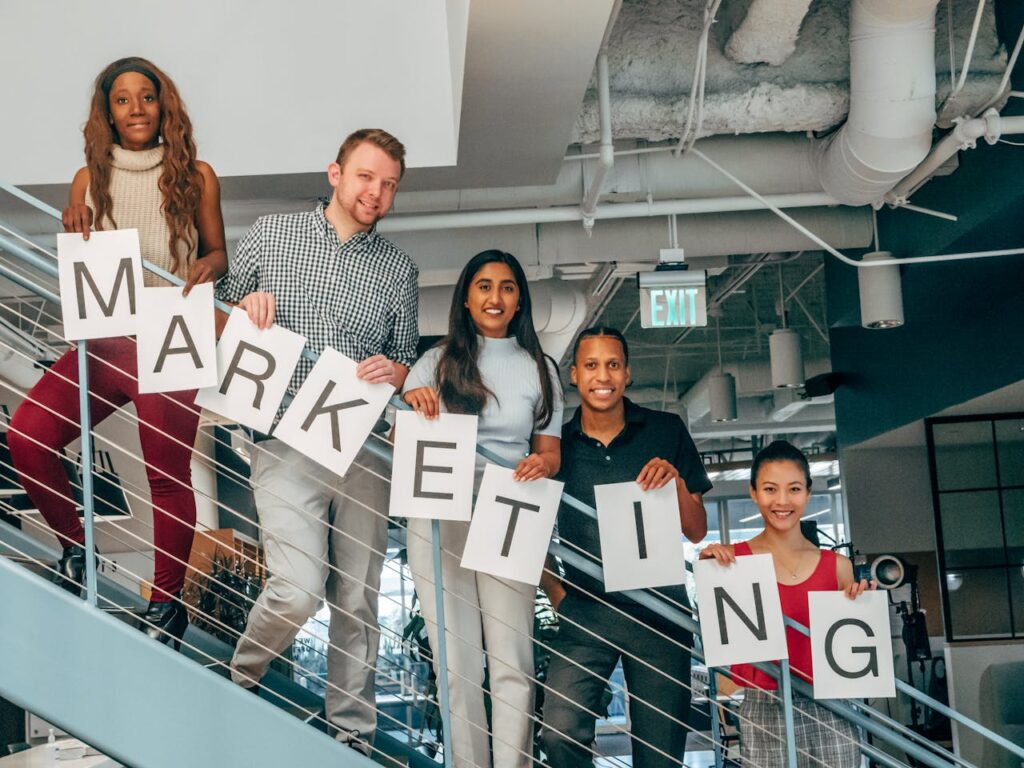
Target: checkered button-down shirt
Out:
[359,297]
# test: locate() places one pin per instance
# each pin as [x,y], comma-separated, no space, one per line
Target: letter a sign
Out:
[740,611]
[100,281]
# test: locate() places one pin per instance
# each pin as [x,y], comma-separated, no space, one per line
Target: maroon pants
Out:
[48,420]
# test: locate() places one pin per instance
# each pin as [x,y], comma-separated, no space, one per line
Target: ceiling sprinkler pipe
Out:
[964,135]
[607,153]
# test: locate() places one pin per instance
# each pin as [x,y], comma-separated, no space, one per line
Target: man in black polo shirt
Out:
[611,440]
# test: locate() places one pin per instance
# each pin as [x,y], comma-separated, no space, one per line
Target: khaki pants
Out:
[479,610]
[296,499]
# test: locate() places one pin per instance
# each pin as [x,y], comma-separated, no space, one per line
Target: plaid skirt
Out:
[823,739]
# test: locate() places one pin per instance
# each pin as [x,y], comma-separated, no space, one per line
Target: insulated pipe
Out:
[607,211]
[965,135]
[892,100]
[607,153]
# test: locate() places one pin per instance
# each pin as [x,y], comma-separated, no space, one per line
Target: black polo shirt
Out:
[647,434]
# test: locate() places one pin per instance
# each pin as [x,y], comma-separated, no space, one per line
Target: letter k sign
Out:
[333,412]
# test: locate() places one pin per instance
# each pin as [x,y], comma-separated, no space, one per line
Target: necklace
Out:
[791,571]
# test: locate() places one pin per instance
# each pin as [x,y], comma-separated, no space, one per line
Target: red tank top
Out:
[795,606]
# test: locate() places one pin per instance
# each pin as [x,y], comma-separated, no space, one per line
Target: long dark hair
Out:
[459,383]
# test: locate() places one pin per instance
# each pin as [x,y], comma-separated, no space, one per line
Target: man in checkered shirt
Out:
[331,277]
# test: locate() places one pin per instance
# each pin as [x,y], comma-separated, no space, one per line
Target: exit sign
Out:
[673,299]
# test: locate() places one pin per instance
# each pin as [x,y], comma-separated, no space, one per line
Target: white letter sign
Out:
[432,473]
[254,368]
[641,541]
[512,525]
[177,343]
[740,611]
[333,413]
[100,280]
[851,649]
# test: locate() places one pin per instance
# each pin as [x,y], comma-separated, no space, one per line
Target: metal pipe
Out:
[444,703]
[28,284]
[1006,73]
[969,54]
[713,709]
[839,254]
[607,153]
[786,685]
[49,266]
[31,200]
[464,219]
[88,501]
[965,135]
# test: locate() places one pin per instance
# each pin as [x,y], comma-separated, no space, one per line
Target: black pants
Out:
[576,686]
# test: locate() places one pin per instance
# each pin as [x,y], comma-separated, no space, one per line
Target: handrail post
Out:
[86,459]
[787,704]
[716,744]
[442,647]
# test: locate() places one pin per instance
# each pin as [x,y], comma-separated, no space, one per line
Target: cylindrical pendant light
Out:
[722,396]
[721,385]
[881,292]
[787,361]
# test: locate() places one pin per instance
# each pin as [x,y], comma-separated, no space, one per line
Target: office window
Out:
[977,466]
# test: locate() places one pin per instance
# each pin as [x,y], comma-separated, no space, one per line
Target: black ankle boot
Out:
[166,622]
[71,569]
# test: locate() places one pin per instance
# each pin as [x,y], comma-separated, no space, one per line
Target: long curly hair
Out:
[181,184]
[459,382]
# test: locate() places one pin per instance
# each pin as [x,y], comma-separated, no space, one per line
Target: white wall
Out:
[270,88]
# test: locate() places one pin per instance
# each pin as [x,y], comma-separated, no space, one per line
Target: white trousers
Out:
[480,611]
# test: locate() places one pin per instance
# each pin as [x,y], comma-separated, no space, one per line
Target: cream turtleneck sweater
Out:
[138,204]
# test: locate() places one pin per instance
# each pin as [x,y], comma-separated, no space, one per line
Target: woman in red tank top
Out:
[780,485]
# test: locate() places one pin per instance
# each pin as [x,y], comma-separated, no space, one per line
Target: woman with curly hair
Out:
[141,172]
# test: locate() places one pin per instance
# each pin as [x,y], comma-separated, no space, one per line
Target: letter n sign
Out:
[740,611]
[100,283]
[435,461]
[851,649]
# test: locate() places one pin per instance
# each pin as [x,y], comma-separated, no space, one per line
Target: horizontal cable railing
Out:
[860,715]
[586,629]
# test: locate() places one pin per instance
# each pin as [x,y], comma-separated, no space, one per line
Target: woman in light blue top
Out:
[490,363]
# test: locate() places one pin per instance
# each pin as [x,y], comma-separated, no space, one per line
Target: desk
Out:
[43,756]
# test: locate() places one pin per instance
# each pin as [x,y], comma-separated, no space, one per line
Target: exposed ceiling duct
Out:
[892,100]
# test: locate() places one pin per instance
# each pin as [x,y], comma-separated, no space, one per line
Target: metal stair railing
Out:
[898,736]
